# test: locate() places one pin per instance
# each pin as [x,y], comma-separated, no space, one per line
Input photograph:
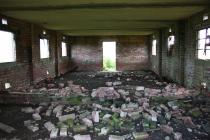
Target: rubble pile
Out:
[60,89]
[121,111]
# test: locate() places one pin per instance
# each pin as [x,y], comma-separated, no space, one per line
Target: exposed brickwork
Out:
[183,66]
[17,73]
[29,67]
[87,53]
[155,59]
[132,52]
[65,63]
[197,70]
[41,66]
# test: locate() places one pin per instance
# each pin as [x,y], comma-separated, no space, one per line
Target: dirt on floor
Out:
[114,106]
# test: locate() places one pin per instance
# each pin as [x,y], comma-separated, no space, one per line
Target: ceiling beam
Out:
[105,6]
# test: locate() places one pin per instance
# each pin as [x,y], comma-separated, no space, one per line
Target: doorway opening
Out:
[109,56]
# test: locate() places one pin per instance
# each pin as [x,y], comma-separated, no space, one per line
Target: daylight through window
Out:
[203,41]
[44,48]
[64,49]
[7,47]
[154,47]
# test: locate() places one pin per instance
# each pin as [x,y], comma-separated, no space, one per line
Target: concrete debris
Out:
[58,109]
[177,136]
[139,88]
[31,125]
[6,128]
[48,112]
[167,129]
[104,131]
[27,110]
[74,88]
[33,128]
[49,126]
[123,114]
[135,111]
[36,117]
[140,135]
[95,116]
[117,83]
[54,133]
[114,137]
[79,128]
[106,116]
[188,121]
[105,92]
[38,109]
[87,122]
[63,132]
[109,84]
[82,137]
[167,138]
[66,117]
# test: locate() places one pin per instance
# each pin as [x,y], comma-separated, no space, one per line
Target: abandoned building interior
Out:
[105,70]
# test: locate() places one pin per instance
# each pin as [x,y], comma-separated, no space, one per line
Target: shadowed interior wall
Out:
[132,52]
[17,73]
[29,67]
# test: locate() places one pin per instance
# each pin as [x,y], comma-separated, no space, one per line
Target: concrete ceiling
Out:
[102,17]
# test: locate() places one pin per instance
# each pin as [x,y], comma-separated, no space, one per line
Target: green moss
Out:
[75,100]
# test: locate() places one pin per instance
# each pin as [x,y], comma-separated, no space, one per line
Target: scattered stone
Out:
[27,110]
[49,126]
[66,117]
[79,128]
[63,132]
[117,83]
[6,128]
[134,115]
[114,137]
[165,108]
[123,114]
[167,138]
[82,137]
[38,109]
[139,88]
[87,122]
[48,112]
[140,135]
[104,131]
[188,122]
[105,92]
[109,84]
[61,85]
[167,129]
[95,116]
[36,117]
[189,130]
[54,133]
[177,136]
[57,109]
[195,112]
[27,123]
[168,115]
[106,116]
[33,128]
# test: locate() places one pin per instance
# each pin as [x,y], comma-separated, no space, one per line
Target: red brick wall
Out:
[29,67]
[41,66]
[64,63]
[132,52]
[17,73]
[87,53]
